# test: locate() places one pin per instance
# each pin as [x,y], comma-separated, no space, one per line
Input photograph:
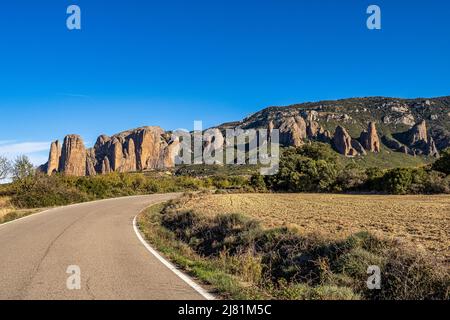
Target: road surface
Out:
[99,238]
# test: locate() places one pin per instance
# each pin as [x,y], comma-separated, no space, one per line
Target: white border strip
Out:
[171,267]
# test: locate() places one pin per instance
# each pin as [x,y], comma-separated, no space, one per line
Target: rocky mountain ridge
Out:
[139,149]
[352,126]
[355,126]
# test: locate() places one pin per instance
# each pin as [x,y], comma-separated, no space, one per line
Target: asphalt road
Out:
[99,238]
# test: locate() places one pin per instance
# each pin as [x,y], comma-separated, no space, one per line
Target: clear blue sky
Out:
[169,62]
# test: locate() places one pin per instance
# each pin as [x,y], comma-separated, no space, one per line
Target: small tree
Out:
[443,163]
[22,168]
[257,182]
[5,168]
[399,180]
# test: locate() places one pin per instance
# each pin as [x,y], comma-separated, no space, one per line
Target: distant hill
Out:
[413,126]
[377,129]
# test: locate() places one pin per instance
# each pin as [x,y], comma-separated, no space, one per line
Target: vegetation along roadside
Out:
[242,259]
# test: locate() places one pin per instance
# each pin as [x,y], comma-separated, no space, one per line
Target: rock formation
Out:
[396,145]
[315,132]
[73,156]
[149,148]
[54,158]
[293,131]
[170,153]
[106,167]
[416,141]
[90,162]
[431,149]
[358,147]
[144,148]
[213,141]
[418,133]
[370,140]
[133,150]
[344,143]
[419,140]
[312,129]
[129,157]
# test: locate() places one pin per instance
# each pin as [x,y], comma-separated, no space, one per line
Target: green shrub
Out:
[364,240]
[298,173]
[414,181]
[288,256]
[398,181]
[300,291]
[351,178]
[258,183]
[374,180]
[412,275]
[318,151]
[247,265]
[210,237]
[333,293]
[45,191]
[354,264]
[316,168]
[434,183]
[443,163]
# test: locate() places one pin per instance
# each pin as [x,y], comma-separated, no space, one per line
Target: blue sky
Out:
[171,62]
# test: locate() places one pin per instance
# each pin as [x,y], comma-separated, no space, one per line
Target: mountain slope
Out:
[391,115]
[401,124]
[374,128]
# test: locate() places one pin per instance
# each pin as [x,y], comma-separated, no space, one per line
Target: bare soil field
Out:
[423,220]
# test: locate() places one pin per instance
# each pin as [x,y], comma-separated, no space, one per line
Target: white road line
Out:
[171,267]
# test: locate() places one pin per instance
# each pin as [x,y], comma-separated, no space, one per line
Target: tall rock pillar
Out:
[73,156]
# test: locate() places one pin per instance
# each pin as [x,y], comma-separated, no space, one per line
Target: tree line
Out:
[317,168]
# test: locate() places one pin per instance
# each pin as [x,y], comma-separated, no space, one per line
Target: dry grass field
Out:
[8,212]
[423,220]
[5,207]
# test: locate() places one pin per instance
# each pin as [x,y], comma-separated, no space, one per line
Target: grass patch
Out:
[14,215]
[388,159]
[9,213]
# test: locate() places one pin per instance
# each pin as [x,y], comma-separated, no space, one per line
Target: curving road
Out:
[99,238]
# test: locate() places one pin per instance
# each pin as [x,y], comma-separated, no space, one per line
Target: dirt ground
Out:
[423,220]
